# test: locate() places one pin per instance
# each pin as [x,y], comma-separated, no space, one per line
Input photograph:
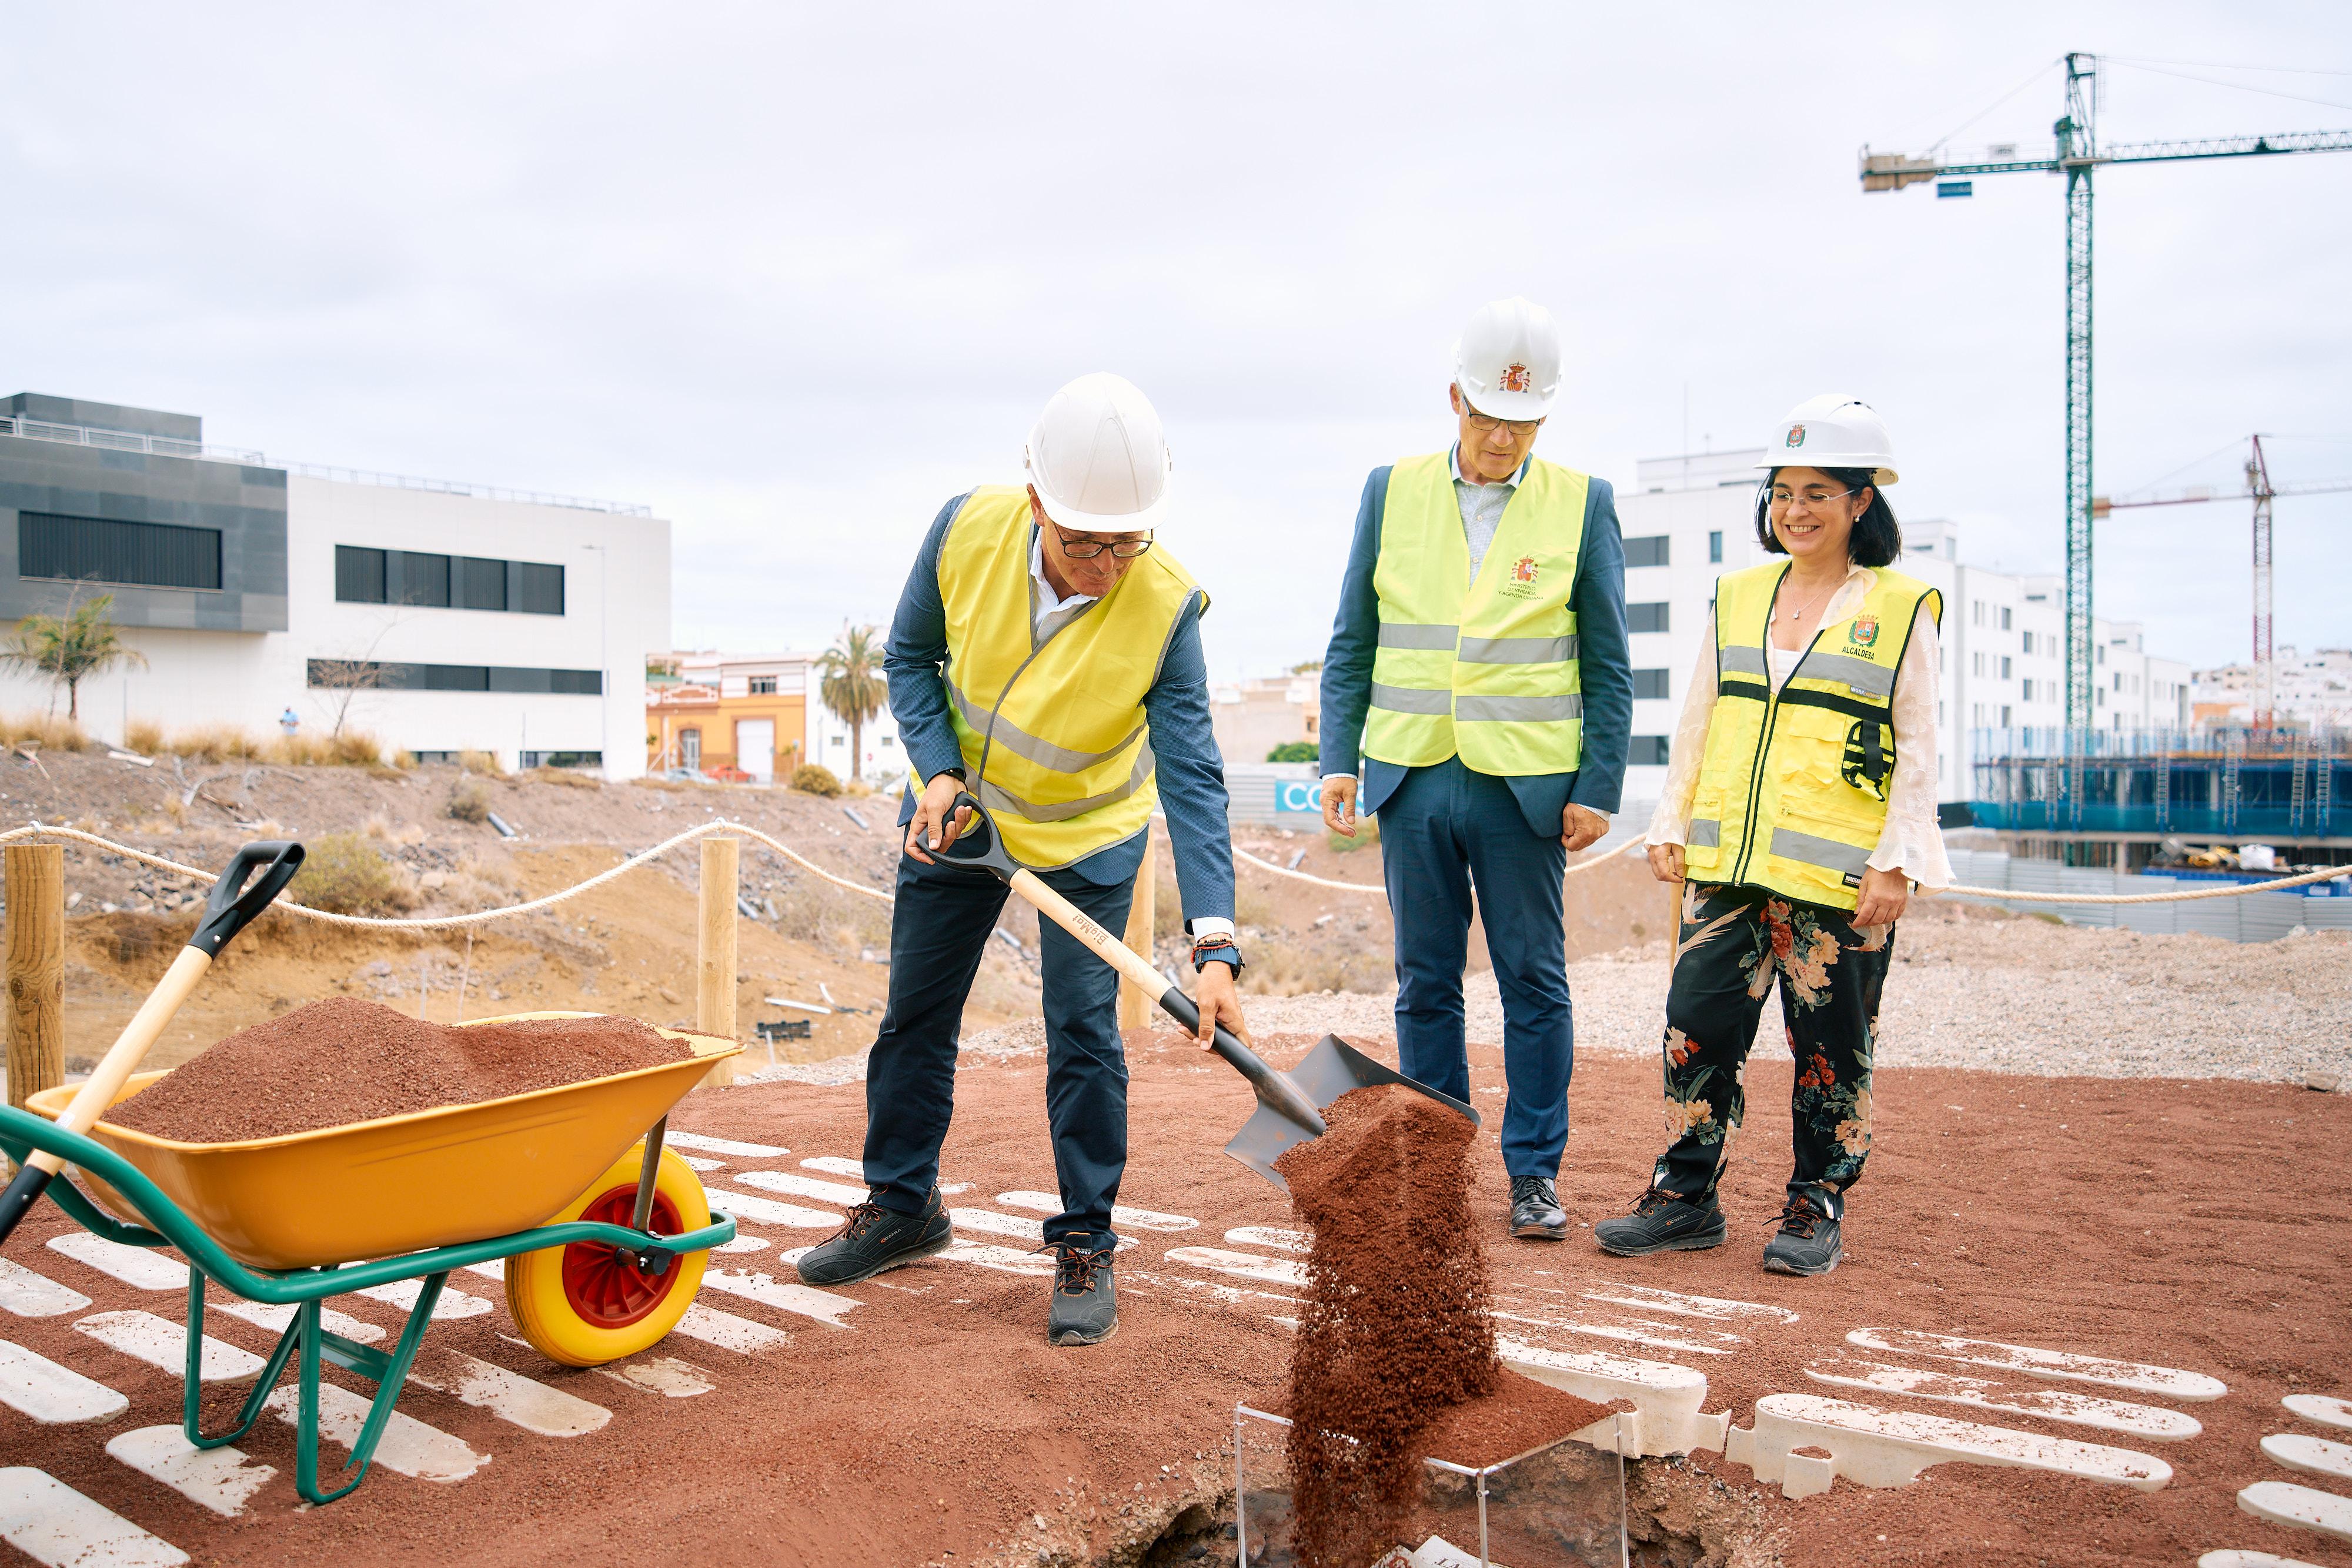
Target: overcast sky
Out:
[795,276]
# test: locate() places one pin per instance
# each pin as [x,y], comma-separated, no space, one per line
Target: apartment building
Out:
[759,714]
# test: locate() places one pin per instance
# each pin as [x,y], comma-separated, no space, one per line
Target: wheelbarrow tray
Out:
[440,1177]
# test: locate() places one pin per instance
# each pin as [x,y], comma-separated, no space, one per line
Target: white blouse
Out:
[1911,842]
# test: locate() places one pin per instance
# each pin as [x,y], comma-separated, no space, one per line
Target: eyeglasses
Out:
[1814,497]
[1485,421]
[1084,549]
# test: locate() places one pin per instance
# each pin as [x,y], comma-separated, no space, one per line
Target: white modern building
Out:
[437,618]
[1689,519]
[2313,690]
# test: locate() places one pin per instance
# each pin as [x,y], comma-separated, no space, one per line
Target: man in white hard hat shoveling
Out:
[1046,657]
[1480,656]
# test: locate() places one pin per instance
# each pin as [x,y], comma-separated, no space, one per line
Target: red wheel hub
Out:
[602,1283]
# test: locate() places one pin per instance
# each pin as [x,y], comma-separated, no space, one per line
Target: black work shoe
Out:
[1808,1242]
[1536,1211]
[876,1239]
[1086,1307]
[1662,1221]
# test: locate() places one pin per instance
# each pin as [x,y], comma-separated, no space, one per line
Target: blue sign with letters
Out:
[1300,795]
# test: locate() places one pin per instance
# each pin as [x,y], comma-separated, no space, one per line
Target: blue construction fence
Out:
[2231,783]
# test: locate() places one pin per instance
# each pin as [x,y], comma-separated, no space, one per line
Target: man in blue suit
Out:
[1479,665]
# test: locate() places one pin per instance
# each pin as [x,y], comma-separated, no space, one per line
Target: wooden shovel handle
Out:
[121,1060]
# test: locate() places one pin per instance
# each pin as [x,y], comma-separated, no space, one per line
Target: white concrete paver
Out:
[768,1211]
[277,1320]
[1721,1308]
[409,1446]
[1005,1260]
[164,1344]
[2166,1382]
[2150,1423]
[1631,1331]
[221,1479]
[54,1525]
[2237,1559]
[143,1268]
[804,1186]
[1666,1398]
[2326,1410]
[1241,1265]
[663,1375]
[2313,1456]
[2302,1508]
[405,1294]
[509,1395]
[1889,1448]
[709,1146]
[31,1295]
[32,1385]
[835,1165]
[787,1296]
[1272,1236]
[728,1332]
[1138,1218]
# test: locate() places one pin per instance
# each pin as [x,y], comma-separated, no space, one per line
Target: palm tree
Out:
[69,648]
[852,689]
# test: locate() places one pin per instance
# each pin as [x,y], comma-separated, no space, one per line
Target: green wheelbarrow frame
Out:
[22,1132]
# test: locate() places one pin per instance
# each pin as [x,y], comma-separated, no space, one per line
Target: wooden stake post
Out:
[714,999]
[1136,1006]
[36,967]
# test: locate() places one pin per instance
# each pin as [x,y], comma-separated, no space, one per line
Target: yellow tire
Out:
[586,1304]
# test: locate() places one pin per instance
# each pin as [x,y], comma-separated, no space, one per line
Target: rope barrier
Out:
[727,825]
[477,918]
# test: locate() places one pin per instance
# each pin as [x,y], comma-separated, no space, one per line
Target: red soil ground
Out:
[2198,1225]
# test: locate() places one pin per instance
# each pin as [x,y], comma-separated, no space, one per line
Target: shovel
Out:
[229,910]
[1289,1105]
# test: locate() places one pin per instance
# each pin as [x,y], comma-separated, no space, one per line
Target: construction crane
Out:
[2076,154]
[2261,492]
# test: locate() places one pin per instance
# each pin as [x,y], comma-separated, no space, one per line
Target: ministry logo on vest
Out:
[1865,632]
[1522,583]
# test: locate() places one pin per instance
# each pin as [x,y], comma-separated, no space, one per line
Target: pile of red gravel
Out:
[329,1063]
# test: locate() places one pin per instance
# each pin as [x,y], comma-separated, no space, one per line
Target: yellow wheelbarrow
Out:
[599,1264]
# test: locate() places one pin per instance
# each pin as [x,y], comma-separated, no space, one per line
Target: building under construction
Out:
[2116,796]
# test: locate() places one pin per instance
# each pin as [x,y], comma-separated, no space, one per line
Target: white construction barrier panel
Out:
[1889,1448]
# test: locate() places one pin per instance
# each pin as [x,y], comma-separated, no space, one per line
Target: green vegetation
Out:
[70,648]
[344,874]
[815,778]
[852,686]
[1295,751]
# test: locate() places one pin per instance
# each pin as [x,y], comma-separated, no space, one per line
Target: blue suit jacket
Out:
[1190,773]
[1599,600]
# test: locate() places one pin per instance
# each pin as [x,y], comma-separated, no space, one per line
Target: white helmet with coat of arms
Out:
[1098,457]
[1834,431]
[1507,360]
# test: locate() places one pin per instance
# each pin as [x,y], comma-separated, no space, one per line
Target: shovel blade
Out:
[1332,1069]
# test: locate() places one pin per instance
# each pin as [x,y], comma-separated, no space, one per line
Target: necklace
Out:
[1797,613]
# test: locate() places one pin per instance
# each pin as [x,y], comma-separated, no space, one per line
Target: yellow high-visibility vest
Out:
[1069,767]
[1793,790]
[1486,669]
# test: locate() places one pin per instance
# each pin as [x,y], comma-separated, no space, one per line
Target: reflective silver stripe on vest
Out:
[1411,699]
[996,798]
[1707,834]
[1864,677]
[1409,634]
[1517,650]
[1516,710]
[1742,660]
[1828,853]
[1022,744]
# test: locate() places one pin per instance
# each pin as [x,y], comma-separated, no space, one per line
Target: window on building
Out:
[369,576]
[689,748]
[1649,751]
[2099,695]
[2004,715]
[2004,667]
[345,675]
[1648,550]
[2004,617]
[763,685]
[1975,664]
[1976,612]
[2025,641]
[1645,617]
[2027,693]
[1715,547]
[99,549]
[2101,652]
[1649,683]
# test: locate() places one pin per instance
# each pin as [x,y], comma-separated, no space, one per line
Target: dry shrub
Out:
[816,912]
[667,786]
[568,778]
[815,778]
[354,748]
[143,735]
[483,762]
[344,874]
[404,759]
[469,802]
[46,731]
[214,742]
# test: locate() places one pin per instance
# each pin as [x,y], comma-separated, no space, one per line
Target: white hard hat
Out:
[1834,431]
[1507,360]
[1098,457]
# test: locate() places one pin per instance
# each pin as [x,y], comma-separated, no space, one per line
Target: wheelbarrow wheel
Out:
[586,1304]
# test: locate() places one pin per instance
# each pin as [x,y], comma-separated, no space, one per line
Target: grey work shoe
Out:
[1808,1242]
[876,1239]
[1662,1221]
[1536,1212]
[1085,1308]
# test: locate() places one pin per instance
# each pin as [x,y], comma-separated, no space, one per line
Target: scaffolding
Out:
[2272,784]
